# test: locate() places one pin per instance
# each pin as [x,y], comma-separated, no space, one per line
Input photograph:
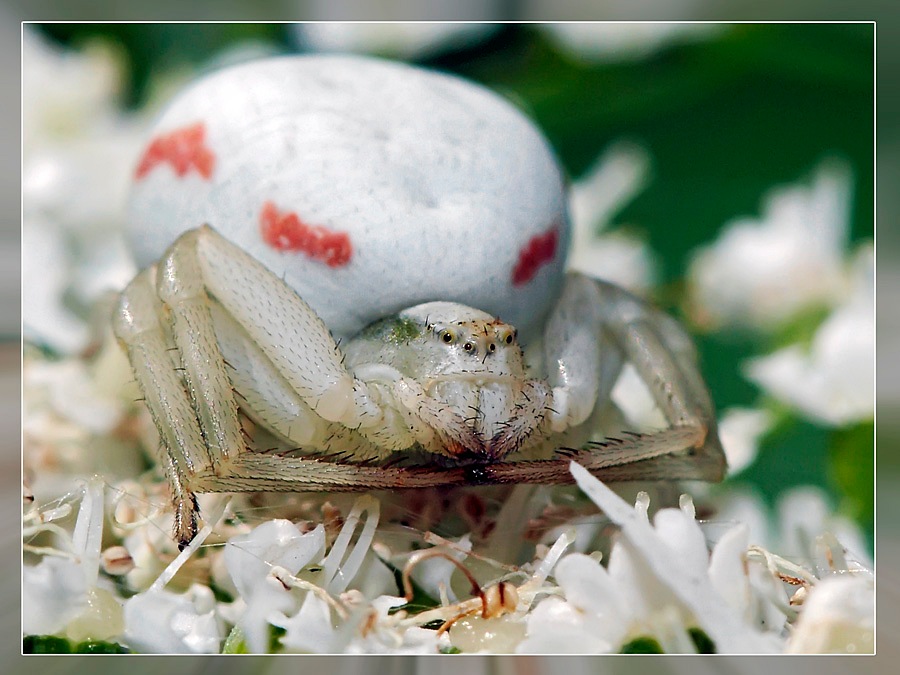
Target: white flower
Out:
[46,272]
[250,558]
[399,39]
[72,393]
[838,617]
[659,583]
[62,594]
[794,528]
[832,381]
[54,592]
[79,150]
[760,272]
[740,430]
[310,630]
[803,516]
[64,91]
[612,41]
[619,174]
[161,622]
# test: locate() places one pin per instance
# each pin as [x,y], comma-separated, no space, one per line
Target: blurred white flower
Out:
[46,272]
[803,515]
[64,91]
[405,39]
[761,272]
[62,595]
[54,593]
[622,41]
[68,388]
[161,622]
[79,151]
[740,430]
[800,517]
[833,380]
[838,618]
[76,421]
[617,176]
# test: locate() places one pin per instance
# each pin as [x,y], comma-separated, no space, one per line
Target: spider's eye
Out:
[509,339]
[492,347]
[448,336]
[468,346]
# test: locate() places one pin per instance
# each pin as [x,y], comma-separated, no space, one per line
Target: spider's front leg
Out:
[595,329]
[174,321]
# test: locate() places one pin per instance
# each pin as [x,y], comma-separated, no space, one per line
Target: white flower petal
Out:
[834,381]
[249,557]
[761,272]
[740,430]
[310,630]
[726,569]
[589,588]
[54,592]
[682,535]
[266,604]
[727,631]
[838,617]
[557,627]
[433,574]
[616,177]
[45,277]
[167,623]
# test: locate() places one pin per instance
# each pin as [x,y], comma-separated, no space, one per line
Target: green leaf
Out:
[100,647]
[794,453]
[642,645]
[45,644]
[234,643]
[852,468]
[702,641]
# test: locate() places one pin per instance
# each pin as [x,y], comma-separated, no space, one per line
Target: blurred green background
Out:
[725,119]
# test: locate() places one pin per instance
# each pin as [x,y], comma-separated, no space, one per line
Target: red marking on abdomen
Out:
[286,232]
[183,149]
[540,250]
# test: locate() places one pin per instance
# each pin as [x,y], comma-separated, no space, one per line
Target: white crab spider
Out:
[348,192]
[439,378]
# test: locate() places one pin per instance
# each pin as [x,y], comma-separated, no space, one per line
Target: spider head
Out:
[459,343]
[468,363]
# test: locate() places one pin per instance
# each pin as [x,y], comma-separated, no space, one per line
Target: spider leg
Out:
[625,327]
[208,296]
[149,348]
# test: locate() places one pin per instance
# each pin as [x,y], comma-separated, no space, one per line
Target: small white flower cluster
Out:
[293,591]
